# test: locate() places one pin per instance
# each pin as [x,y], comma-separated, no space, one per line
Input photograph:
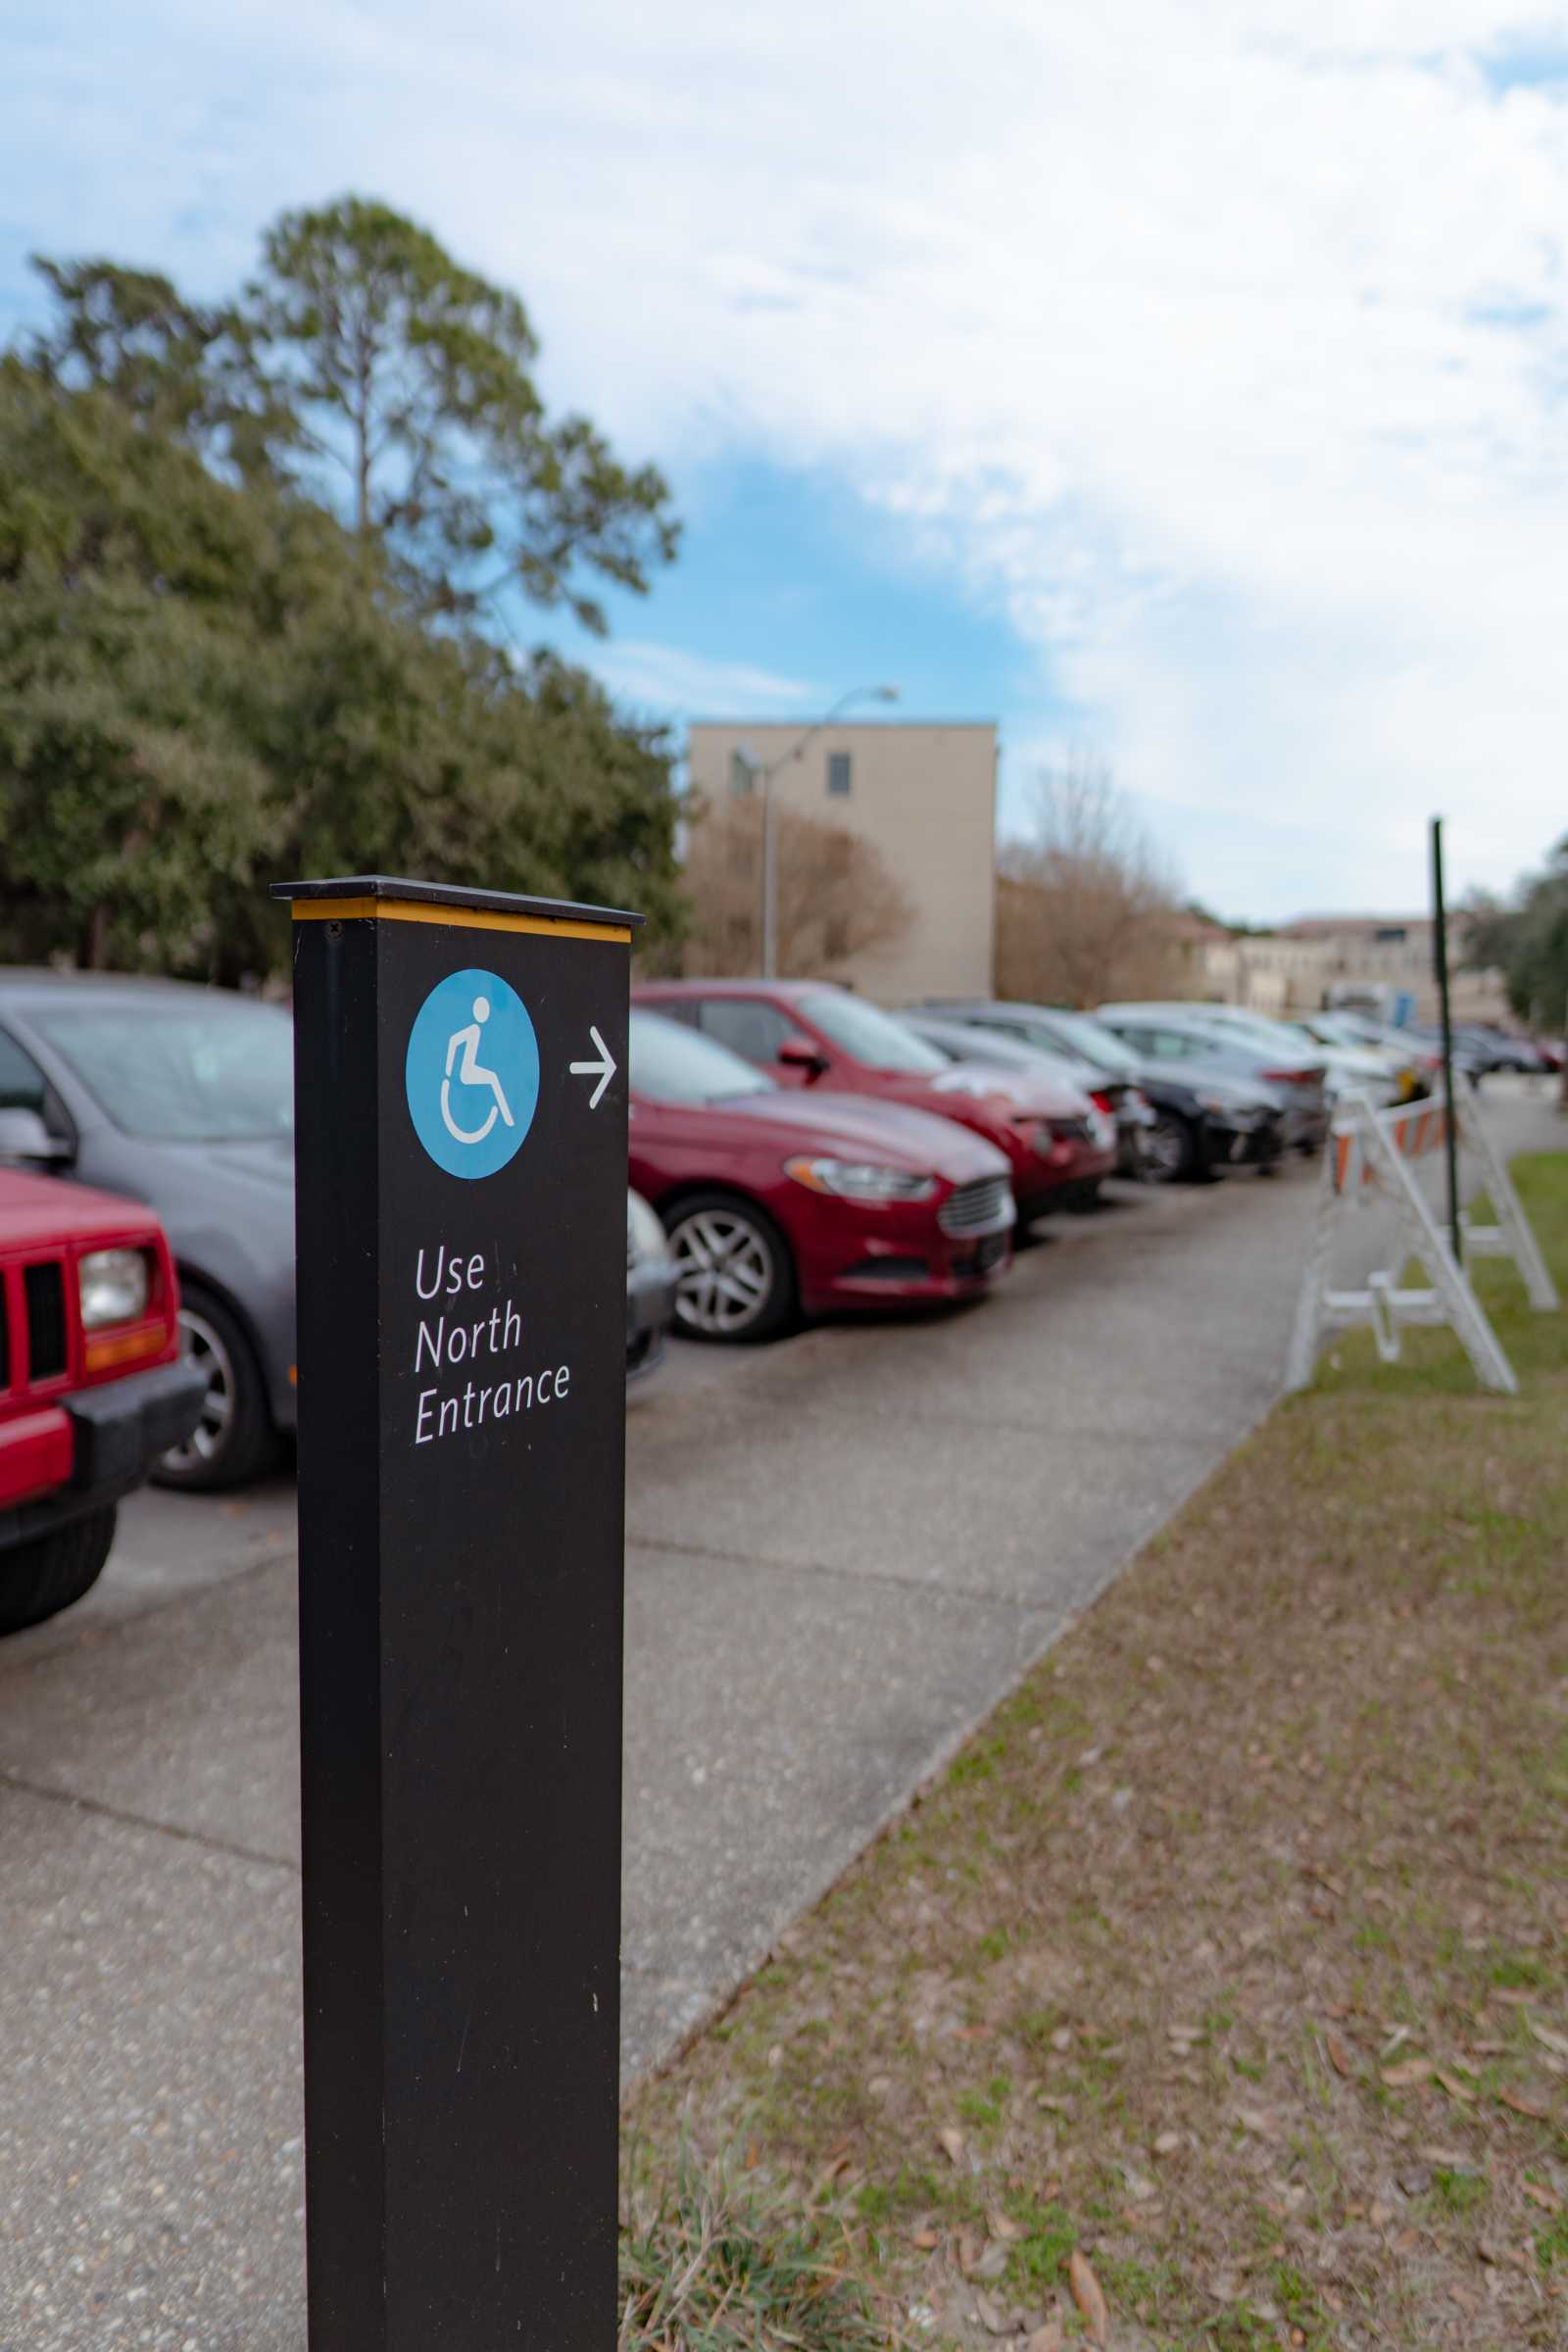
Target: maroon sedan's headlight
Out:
[860,1179]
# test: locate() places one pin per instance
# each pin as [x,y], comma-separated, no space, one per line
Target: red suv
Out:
[773,1204]
[810,1033]
[91,1387]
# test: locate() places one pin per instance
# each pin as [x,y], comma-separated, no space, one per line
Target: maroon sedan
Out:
[773,1204]
[810,1032]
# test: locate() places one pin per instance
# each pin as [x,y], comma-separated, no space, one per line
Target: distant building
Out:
[1379,957]
[1324,960]
[923,795]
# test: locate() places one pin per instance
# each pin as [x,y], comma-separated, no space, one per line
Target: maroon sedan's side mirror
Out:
[799,1053]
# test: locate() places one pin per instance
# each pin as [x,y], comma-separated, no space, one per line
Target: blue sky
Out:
[1183,384]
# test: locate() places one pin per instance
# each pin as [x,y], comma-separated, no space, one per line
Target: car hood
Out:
[835,1126]
[265,1160]
[39,1209]
[1025,1094]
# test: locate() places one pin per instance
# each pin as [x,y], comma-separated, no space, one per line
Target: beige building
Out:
[1382,955]
[1330,959]
[923,795]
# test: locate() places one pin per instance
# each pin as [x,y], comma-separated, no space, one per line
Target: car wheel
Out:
[1170,1150]
[39,1577]
[233,1438]
[733,1275]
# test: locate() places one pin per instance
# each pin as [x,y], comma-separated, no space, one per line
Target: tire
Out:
[735,1279]
[234,1437]
[40,1578]
[1170,1150]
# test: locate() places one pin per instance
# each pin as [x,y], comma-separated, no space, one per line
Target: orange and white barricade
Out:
[1383,1205]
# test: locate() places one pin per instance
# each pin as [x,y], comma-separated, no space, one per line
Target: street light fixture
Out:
[765,776]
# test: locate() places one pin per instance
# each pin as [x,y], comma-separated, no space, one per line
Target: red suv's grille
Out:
[45,1287]
[983,1206]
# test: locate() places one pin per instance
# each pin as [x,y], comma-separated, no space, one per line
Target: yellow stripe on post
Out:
[458,918]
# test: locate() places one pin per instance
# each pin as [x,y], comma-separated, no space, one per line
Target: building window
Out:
[742,772]
[838,775]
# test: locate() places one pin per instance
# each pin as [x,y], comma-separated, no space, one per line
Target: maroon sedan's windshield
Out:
[672,1063]
[870,1035]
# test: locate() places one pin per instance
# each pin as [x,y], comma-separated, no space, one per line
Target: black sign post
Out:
[461,1104]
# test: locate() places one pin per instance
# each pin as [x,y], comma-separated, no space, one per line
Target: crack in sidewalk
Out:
[125,1819]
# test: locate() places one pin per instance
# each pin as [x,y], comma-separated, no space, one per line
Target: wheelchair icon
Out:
[472,1072]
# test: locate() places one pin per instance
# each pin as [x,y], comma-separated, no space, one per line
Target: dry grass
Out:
[712,2263]
[1230,1954]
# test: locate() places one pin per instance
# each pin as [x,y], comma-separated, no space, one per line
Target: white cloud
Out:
[672,683]
[1225,343]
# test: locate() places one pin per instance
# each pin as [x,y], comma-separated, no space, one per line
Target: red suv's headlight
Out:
[114,1286]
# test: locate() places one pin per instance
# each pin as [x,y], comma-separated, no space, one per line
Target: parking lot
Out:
[842,1549]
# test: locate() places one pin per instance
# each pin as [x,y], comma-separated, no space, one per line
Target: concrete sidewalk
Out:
[842,1551]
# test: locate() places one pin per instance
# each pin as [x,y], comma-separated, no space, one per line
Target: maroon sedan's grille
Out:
[985,1207]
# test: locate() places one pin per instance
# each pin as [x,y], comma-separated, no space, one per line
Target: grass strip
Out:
[1215,1997]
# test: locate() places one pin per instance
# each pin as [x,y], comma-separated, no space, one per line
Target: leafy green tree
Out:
[178,368]
[409,378]
[1528,942]
[205,684]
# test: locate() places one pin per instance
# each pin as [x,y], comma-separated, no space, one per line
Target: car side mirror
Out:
[26,1142]
[799,1053]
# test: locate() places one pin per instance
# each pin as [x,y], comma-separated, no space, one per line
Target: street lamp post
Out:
[856,694]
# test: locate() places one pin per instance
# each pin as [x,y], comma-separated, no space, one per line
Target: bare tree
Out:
[837,901]
[1087,905]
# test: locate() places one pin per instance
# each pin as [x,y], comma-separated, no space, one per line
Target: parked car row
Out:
[793,1149]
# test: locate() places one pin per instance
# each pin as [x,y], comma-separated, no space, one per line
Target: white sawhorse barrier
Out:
[1373,1163]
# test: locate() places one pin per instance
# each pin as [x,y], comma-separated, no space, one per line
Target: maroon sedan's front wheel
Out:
[733,1276]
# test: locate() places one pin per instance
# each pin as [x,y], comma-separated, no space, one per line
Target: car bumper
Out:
[650,1311]
[1306,1126]
[1242,1144]
[962,1271]
[1045,1182]
[78,1455]
[908,1263]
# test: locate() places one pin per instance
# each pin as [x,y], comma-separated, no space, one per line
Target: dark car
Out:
[182,1097]
[1482,1050]
[91,1385]
[1204,1118]
[776,1204]
[812,1034]
[1182,1042]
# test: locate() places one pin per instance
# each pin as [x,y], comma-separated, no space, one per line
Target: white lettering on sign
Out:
[449,1274]
[452,1339]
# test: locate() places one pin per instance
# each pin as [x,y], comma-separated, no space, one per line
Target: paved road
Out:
[843,1549]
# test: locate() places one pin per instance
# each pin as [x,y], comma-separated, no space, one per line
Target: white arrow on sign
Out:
[603,1069]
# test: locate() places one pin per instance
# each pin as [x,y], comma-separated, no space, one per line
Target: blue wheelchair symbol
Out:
[472,1073]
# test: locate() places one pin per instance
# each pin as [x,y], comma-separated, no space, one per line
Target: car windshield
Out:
[1337,1031]
[1276,1037]
[672,1063]
[869,1035]
[1081,1033]
[955,1042]
[218,1068]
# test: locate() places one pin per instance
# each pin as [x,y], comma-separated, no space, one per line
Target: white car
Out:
[1348,1070]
